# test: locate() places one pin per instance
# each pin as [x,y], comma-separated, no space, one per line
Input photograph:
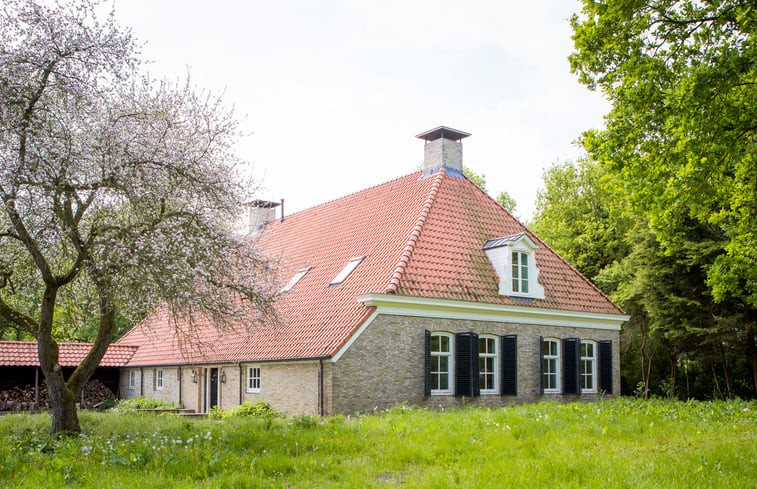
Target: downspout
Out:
[141,381]
[179,384]
[240,382]
[320,388]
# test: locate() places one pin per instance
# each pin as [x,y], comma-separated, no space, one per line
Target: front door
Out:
[213,388]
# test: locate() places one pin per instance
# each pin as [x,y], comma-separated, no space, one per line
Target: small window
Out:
[441,363]
[520,272]
[253,379]
[487,364]
[132,379]
[550,364]
[588,366]
[296,278]
[347,270]
[159,380]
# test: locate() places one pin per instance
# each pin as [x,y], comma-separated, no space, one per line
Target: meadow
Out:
[629,443]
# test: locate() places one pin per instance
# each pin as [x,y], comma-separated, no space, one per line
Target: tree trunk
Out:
[673,370]
[63,403]
[715,376]
[751,348]
[726,372]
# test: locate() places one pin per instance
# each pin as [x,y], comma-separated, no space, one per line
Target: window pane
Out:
[523,259]
[443,364]
[444,341]
[434,343]
[524,286]
[443,381]
[524,273]
[435,364]
[515,284]
[515,259]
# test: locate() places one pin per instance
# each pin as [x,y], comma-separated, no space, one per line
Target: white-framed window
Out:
[132,379]
[441,363]
[550,361]
[520,272]
[293,281]
[347,270]
[588,367]
[488,364]
[253,379]
[159,380]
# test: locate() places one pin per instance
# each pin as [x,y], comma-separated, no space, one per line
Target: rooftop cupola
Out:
[443,149]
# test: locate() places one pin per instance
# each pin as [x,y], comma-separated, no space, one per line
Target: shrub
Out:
[259,409]
[142,402]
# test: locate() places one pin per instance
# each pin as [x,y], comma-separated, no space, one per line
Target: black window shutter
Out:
[466,365]
[427,366]
[509,372]
[605,366]
[570,370]
[541,365]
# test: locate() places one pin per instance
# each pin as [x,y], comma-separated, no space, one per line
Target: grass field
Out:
[623,443]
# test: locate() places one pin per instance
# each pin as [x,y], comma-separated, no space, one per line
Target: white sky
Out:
[333,92]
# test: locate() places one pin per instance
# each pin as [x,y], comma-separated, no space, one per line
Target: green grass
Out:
[625,443]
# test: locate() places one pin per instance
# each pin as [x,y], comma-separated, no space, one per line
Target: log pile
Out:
[22,398]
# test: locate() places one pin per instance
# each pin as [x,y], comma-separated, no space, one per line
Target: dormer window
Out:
[514,259]
[293,281]
[347,270]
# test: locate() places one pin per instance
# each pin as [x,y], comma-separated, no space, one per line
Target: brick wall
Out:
[291,387]
[384,366]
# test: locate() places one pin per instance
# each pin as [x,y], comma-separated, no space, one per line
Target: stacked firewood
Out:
[22,398]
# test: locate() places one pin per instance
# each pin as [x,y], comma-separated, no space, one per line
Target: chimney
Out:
[261,212]
[443,149]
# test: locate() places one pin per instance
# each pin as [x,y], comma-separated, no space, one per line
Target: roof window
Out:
[347,270]
[293,281]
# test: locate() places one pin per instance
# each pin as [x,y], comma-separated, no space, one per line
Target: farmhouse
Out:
[421,290]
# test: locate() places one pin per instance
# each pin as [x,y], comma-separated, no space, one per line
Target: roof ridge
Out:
[407,252]
[335,199]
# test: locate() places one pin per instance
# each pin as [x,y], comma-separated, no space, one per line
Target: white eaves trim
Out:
[355,336]
[400,305]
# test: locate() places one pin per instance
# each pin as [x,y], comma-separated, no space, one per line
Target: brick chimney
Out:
[261,212]
[443,149]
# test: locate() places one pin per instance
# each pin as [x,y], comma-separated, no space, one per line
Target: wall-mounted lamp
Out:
[223,377]
[194,376]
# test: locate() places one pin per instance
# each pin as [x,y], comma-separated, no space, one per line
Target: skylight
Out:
[347,270]
[296,278]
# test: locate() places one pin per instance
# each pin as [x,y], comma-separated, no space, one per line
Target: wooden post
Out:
[36,388]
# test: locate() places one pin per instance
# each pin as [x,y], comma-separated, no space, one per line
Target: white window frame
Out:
[294,280]
[495,364]
[132,379]
[556,358]
[450,363]
[593,370]
[347,270]
[517,271]
[159,379]
[253,379]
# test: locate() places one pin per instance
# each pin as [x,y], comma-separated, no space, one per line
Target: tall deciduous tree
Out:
[114,184]
[682,133]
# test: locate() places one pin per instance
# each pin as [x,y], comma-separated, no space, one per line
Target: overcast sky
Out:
[333,92]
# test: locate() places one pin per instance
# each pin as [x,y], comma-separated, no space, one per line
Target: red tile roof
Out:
[420,237]
[24,354]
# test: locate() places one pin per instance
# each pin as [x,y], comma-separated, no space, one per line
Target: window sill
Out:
[253,391]
[441,393]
